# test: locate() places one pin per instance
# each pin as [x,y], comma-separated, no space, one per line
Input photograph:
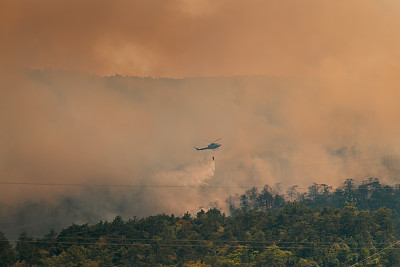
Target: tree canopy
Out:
[322,227]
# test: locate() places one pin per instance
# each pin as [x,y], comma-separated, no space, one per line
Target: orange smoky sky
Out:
[181,38]
[300,91]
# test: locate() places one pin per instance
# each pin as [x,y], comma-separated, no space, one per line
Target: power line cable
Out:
[123,185]
[208,240]
[210,243]
[379,252]
[202,186]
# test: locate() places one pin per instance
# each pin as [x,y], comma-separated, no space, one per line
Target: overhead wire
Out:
[123,185]
[209,240]
[202,186]
[178,243]
[379,252]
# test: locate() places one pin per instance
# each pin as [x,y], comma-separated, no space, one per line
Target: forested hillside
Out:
[264,231]
[369,194]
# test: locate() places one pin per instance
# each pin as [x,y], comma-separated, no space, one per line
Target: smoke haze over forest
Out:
[300,92]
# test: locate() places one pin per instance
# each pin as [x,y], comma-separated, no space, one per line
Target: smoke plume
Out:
[103,146]
[300,92]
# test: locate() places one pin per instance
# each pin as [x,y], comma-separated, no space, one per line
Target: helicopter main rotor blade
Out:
[217,139]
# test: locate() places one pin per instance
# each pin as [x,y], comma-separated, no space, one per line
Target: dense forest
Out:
[353,225]
[369,194]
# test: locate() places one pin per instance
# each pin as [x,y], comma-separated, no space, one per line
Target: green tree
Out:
[8,256]
[27,249]
[273,256]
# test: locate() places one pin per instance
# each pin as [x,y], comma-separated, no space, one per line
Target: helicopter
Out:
[212,146]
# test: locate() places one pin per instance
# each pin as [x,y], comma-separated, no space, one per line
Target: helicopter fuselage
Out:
[210,146]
